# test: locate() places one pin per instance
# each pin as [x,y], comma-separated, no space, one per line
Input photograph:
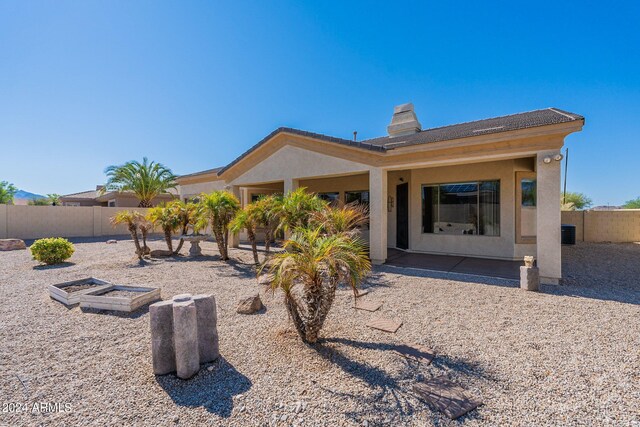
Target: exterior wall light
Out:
[558,157]
[547,160]
[389,203]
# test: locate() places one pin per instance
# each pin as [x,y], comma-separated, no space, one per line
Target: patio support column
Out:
[290,184]
[548,218]
[378,215]
[234,238]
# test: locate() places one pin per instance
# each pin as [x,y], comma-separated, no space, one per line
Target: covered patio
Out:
[503,269]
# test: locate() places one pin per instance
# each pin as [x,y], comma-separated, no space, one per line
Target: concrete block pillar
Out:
[548,218]
[162,351]
[234,238]
[185,336]
[378,215]
[208,341]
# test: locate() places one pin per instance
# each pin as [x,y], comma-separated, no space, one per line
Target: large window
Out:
[332,197]
[357,197]
[462,208]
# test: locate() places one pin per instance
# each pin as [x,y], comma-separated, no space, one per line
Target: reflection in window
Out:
[332,197]
[528,187]
[357,197]
[462,208]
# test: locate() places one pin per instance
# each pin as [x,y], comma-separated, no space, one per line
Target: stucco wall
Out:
[34,222]
[502,246]
[618,226]
[190,190]
[293,162]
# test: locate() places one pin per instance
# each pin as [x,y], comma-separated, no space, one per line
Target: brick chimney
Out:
[404,121]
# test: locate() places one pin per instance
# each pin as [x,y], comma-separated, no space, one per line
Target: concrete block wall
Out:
[34,222]
[618,226]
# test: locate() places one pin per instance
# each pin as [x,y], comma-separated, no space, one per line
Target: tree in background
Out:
[7,191]
[146,180]
[42,201]
[632,204]
[54,199]
[575,201]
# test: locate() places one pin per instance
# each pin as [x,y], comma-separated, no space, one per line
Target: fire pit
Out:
[119,298]
[69,293]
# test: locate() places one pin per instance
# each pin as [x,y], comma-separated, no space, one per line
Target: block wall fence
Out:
[618,226]
[34,222]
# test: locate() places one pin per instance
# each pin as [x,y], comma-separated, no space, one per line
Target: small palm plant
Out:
[297,207]
[219,208]
[310,269]
[250,218]
[165,218]
[188,215]
[146,180]
[347,219]
[131,219]
[271,209]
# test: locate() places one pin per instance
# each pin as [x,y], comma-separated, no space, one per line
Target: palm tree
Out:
[146,180]
[167,220]
[131,219]
[219,208]
[310,269]
[271,209]
[297,208]
[187,215]
[248,219]
[347,219]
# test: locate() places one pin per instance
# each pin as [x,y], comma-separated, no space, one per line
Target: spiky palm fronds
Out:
[131,219]
[346,219]
[146,180]
[309,270]
[167,219]
[219,208]
[297,207]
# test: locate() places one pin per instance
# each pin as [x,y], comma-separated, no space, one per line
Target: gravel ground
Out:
[567,356]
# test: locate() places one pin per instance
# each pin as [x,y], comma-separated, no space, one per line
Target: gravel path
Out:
[567,356]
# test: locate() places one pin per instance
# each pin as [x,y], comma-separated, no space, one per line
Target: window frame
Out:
[467,181]
[520,175]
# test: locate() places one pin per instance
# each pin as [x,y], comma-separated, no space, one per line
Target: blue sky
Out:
[193,84]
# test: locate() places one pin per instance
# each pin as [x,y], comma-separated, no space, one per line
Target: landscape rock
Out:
[265,279]
[160,253]
[529,278]
[111,241]
[249,305]
[12,244]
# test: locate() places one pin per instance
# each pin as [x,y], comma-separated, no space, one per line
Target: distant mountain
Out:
[21,194]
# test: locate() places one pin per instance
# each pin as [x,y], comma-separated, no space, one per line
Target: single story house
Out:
[114,199]
[488,188]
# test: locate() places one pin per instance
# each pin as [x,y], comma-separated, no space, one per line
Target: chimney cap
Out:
[404,121]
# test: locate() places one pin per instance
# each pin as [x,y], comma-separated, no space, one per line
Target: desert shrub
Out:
[53,250]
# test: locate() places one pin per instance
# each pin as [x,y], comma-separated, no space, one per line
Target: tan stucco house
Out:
[114,199]
[488,188]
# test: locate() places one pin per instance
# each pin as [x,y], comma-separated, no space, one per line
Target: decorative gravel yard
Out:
[569,355]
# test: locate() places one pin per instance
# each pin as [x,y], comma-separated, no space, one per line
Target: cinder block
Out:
[162,350]
[185,338]
[208,345]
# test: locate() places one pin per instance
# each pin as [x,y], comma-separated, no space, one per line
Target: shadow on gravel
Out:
[123,315]
[54,266]
[213,390]
[391,394]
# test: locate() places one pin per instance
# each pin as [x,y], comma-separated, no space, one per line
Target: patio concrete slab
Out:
[456,264]
[446,396]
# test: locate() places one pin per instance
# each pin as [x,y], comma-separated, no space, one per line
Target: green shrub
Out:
[53,250]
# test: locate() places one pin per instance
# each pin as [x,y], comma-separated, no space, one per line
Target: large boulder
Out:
[12,244]
[249,305]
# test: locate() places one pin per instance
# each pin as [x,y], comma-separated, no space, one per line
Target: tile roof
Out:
[91,194]
[204,172]
[530,119]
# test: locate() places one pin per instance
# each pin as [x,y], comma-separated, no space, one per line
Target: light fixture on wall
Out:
[557,157]
[389,203]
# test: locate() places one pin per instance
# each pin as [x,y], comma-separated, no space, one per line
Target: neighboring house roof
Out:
[530,119]
[204,172]
[91,194]
[96,195]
